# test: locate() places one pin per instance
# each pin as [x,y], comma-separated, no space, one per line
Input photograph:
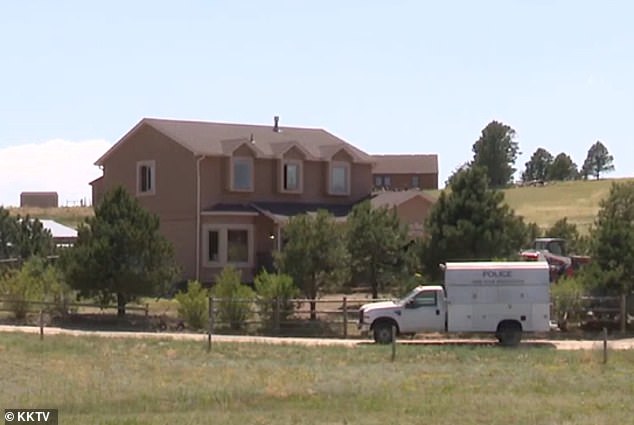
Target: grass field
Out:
[579,201]
[576,200]
[69,216]
[116,381]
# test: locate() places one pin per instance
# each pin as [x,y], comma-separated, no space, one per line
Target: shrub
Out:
[35,281]
[273,289]
[234,305]
[566,295]
[193,305]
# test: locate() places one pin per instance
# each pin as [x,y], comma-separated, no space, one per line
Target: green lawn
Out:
[117,381]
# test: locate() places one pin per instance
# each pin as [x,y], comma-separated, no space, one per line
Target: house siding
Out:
[215,185]
[404,181]
[174,200]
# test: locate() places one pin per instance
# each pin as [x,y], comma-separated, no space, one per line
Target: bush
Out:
[273,289]
[193,305]
[234,306]
[35,281]
[566,297]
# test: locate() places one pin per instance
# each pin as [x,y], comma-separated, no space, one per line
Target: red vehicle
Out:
[553,250]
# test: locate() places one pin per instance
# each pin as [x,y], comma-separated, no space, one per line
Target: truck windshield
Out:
[410,294]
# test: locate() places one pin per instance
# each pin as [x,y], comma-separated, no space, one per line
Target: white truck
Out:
[503,298]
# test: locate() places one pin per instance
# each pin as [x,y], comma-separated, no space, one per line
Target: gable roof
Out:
[395,198]
[405,164]
[219,139]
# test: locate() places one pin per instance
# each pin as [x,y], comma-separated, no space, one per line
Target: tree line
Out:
[497,149]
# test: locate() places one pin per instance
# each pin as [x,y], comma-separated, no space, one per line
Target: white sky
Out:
[62,166]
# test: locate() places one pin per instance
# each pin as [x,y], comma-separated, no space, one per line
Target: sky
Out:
[388,77]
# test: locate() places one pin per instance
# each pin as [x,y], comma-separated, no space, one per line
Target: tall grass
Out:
[108,381]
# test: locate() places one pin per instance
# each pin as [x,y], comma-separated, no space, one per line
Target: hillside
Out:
[577,200]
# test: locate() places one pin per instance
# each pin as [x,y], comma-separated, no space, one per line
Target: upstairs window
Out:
[291,176]
[242,174]
[146,177]
[382,181]
[340,178]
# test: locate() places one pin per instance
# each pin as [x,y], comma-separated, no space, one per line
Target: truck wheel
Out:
[382,333]
[509,334]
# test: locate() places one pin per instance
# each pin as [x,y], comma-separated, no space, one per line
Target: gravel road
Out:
[613,344]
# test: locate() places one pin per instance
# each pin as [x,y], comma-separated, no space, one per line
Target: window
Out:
[228,244]
[387,181]
[378,181]
[213,255]
[416,181]
[291,176]
[146,177]
[340,178]
[242,174]
[237,246]
[425,299]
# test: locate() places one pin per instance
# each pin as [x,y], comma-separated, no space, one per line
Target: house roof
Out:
[395,198]
[405,164]
[282,211]
[59,230]
[222,139]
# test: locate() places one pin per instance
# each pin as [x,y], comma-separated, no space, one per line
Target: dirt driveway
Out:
[613,344]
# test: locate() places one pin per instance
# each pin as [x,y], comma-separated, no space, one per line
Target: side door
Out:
[423,313]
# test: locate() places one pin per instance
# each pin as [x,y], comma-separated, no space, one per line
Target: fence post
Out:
[41,325]
[147,316]
[345,317]
[210,311]
[605,345]
[393,342]
[623,313]
[276,316]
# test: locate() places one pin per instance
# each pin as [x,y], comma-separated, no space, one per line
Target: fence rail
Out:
[332,317]
[67,306]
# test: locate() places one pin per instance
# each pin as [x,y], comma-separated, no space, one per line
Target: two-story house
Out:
[223,192]
[404,172]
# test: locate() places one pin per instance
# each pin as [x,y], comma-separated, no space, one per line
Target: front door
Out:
[424,313]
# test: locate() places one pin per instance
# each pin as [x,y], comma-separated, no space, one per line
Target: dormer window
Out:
[339,178]
[291,176]
[146,177]
[242,174]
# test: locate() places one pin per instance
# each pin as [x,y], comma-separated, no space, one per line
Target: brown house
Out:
[402,172]
[224,191]
[39,199]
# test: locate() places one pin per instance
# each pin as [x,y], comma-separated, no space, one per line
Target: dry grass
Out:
[115,381]
[579,201]
[70,216]
[576,200]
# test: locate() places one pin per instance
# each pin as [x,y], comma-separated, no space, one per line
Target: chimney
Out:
[276,122]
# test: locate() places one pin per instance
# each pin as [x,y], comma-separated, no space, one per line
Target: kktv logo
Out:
[33,416]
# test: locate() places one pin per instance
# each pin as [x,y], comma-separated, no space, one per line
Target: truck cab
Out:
[424,309]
